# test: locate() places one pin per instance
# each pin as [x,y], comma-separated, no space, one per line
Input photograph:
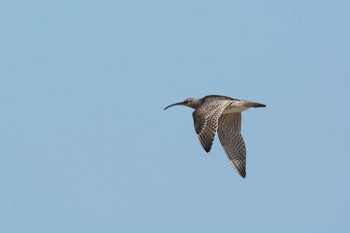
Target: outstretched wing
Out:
[206,122]
[229,131]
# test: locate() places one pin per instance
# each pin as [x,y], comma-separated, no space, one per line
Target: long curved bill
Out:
[176,104]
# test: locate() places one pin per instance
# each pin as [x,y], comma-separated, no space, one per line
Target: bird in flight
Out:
[224,115]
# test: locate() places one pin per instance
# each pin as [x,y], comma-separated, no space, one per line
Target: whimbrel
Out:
[224,114]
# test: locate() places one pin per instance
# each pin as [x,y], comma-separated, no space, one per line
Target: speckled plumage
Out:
[223,114]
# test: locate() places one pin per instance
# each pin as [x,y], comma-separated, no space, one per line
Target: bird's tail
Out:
[258,105]
[254,105]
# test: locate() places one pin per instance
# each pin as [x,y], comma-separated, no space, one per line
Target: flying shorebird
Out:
[224,114]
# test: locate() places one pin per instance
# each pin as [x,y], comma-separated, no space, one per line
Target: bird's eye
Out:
[186,101]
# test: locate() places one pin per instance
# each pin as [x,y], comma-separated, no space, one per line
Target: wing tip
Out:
[205,144]
[207,149]
[240,170]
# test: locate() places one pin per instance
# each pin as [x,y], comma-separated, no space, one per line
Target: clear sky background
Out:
[85,145]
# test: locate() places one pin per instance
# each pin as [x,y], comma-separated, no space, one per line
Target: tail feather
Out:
[254,105]
[258,105]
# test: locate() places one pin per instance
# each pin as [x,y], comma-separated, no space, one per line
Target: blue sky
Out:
[85,145]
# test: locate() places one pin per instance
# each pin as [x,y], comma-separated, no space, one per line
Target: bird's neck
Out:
[196,103]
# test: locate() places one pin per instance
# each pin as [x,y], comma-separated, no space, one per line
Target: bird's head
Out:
[189,102]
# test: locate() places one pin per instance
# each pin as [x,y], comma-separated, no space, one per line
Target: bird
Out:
[222,114]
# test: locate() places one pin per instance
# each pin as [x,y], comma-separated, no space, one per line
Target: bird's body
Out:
[222,114]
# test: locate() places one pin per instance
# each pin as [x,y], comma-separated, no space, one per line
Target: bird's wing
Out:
[229,131]
[206,122]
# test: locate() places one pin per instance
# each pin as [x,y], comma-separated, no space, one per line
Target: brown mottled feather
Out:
[206,121]
[229,131]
